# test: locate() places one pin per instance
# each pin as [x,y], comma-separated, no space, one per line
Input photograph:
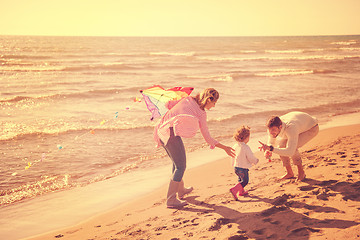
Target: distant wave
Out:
[24,56]
[16,99]
[351,49]
[285,51]
[265,58]
[232,76]
[347,43]
[95,67]
[292,72]
[104,55]
[85,94]
[214,78]
[310,50]
[31,69]
[182,54]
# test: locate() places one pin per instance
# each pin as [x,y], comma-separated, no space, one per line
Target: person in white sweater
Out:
[290,132]
[243,160]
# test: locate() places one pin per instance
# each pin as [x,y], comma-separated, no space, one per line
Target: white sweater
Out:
[294,123]
[244,156]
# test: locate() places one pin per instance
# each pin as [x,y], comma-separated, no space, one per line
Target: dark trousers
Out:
[176,150]
[243,174]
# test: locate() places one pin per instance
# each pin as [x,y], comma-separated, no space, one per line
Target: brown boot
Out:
[183,190]
[172,201]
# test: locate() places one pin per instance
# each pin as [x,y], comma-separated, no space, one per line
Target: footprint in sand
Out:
[273,210]
[219,223]
[275,222]
[238,237]
[259,231]
[303,231]
[306,188]
[281,199]
[331,163]
[160,228]
[327,183]
[353,165]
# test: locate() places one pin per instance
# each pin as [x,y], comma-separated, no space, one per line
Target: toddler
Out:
[243,160]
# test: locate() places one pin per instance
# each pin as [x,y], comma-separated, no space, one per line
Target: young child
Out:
[243,160]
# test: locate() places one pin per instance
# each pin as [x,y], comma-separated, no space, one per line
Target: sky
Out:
[179,17]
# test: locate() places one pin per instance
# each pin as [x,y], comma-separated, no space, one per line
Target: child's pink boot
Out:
[235,190]
[243,192]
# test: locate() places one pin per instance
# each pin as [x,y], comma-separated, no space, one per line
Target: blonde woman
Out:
[184,118]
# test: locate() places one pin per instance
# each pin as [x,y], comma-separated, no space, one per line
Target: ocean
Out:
[70,120]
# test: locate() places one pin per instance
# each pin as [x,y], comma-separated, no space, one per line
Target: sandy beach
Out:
[324,206]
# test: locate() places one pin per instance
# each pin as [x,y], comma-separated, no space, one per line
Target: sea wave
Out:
[351,49]
[265,58]
[79,130]
[235,75]
[285,51]
[312,50]
[22,190]
[104,55]
[214,78]
[78,95]
[347,43]
[176,54]
[24,56]
[27,191]
[293,72]
[100,67]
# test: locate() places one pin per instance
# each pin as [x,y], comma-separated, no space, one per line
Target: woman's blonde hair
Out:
[242,133]
[208,93]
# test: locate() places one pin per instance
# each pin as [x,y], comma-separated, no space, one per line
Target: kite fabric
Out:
[156,97]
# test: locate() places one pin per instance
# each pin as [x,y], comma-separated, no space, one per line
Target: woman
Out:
[183,119]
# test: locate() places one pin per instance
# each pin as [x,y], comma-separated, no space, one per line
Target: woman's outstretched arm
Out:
[229,150]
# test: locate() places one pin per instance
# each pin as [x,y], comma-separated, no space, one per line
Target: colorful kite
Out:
[156,97]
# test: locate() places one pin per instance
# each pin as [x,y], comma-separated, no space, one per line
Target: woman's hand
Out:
[229,150]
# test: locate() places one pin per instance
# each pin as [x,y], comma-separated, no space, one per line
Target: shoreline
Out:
[152,205]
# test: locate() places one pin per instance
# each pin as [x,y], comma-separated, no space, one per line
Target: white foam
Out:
[342,120]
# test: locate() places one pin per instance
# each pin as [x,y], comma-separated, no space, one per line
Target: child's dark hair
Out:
[242,133]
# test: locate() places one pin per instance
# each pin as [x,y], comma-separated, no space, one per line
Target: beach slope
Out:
[324,206]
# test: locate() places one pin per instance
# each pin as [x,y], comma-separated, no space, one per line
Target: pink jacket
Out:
[186,118]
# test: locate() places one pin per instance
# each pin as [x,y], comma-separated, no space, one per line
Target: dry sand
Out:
[324,206]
